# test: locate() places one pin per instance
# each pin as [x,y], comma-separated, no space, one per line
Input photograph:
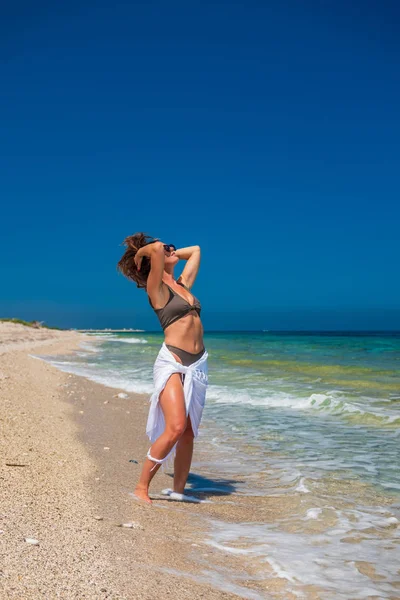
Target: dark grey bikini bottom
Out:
[187,358]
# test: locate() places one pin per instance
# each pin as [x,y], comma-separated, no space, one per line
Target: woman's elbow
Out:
[157,247]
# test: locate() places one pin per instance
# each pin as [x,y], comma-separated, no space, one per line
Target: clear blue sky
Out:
[266,132]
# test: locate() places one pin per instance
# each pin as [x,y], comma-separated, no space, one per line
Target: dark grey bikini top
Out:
[176,307]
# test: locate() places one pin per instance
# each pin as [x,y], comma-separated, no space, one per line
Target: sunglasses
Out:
[169,247]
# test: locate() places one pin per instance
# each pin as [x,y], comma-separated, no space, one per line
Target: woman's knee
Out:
[176,429]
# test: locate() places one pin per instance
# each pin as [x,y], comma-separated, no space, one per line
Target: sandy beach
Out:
[66,447]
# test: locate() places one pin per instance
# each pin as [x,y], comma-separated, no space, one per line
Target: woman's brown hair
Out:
[127,264]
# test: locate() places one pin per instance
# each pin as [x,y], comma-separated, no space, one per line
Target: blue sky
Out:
[265,132]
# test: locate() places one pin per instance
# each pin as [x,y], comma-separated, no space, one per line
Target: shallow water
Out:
[314,417]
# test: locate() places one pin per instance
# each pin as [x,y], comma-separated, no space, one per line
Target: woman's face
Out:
[170,257]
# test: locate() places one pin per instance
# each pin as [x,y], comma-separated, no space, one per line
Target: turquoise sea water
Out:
[311,415]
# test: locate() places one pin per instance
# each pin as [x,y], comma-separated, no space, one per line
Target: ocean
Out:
[313,417]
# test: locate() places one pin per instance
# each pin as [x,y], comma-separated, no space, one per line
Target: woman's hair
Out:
[127,264]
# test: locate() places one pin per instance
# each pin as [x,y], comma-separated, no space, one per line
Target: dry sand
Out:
[14,336]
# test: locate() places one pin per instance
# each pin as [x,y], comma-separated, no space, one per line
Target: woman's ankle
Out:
[179,489]
[142,486]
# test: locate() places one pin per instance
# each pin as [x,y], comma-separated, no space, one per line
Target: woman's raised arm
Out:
[155,253]
[192,255]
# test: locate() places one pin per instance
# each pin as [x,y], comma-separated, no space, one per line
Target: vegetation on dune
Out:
[35,324]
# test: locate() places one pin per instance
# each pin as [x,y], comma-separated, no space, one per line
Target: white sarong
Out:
[194,389]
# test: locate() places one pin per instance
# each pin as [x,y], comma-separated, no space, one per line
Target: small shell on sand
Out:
[98,517]
[121,395]
[131,525]
[106,448]
[32,541]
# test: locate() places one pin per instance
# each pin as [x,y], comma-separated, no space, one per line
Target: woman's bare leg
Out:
[172,402]
[183,458]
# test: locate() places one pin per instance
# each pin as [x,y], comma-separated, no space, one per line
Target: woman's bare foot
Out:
[141,493]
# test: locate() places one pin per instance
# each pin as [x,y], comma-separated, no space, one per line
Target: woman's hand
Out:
[138,259]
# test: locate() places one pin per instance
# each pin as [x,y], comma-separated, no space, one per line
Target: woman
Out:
[180,370]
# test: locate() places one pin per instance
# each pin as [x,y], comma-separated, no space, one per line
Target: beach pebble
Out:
[105,402]
[106,448]
[121,395]
[131,525]
[81,412]
[98,518]
[1,531]
[32,541]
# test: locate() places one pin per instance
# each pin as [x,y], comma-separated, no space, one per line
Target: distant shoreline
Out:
[110,330]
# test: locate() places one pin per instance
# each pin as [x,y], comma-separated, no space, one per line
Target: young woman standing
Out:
[180,370]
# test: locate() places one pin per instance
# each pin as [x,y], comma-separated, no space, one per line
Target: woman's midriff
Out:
[186,333]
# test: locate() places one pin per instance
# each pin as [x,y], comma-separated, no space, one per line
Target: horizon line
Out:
[134,330]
